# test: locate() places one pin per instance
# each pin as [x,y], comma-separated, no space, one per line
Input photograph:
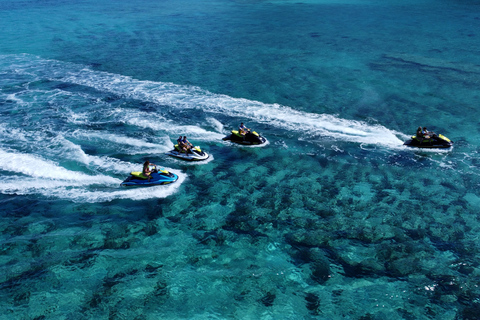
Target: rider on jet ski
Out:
[424,133]
[428,134]
[428,139]
[242,129]
[146,169]
[419,134]
[184,144]
[181,145]
[187,143]
[245,136]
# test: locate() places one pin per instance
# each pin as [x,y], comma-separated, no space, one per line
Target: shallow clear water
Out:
[333,219]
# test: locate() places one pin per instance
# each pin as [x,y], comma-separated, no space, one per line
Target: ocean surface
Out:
[333,219]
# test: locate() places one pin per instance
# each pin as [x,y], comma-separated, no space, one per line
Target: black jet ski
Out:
[429,141]
[158,177]
[250,138]
[194,154]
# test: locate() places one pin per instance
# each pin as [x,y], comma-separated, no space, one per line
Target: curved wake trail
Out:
[77,192]
[185,97]
[189,97]
[33,158]
[30,165]
[35,175]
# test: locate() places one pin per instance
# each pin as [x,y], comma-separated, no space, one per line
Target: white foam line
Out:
[273,114]
[29,185]
[429,150]
[139,193]
[47,178]
[193,163]
[238,145]
[75,152]
[57,147]
[139,146]
[105,163]
[189,97]
[34,166]
[216,124]
[77,192]
[155,122]
[145,120]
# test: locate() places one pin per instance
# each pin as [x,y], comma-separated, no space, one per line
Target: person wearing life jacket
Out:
[181,145]
[429,134]
[419,134]
[187,144]
[425,132]
[146,169]
[242,129]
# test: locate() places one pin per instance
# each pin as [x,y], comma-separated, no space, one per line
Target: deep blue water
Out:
[333,219]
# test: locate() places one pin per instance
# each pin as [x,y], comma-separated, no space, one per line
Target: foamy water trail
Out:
[155,122]
[103,163]
[216,124]
[115,138]
[136,194]
[35,175]
[57,147]
[77,191]
[193,163]
[189,97]
[35,166]
[280,116]
[134,145]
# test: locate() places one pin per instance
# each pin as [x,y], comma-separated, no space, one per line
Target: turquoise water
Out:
[333,219]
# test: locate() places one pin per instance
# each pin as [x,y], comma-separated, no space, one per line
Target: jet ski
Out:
[158,177]
[194,154]
[430,141]
[250,138]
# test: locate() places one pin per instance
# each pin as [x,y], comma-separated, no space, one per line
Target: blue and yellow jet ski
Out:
[194,154]
[429,141]
[158,177]
[250,138]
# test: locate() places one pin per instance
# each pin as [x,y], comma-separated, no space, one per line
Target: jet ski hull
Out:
[195,156]
[157,178]
[250,138]
[435,142]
